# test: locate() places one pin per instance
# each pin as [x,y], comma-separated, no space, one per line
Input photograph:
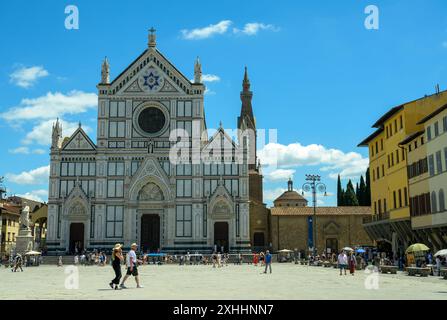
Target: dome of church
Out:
[290,198]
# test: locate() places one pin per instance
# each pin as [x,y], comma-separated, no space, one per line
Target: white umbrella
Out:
[442,253]
[33,253]
[285,251]
[347,249]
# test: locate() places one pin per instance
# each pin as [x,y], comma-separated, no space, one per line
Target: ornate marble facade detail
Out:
[124,188]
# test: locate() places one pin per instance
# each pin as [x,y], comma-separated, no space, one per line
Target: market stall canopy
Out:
[441,253]
[417,247]
[33,253]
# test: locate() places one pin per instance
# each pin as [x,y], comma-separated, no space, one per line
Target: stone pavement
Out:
[288,281]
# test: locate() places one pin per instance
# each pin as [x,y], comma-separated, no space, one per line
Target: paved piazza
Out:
[288,281]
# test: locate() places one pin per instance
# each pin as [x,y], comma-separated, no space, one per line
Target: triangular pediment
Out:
[79,141]
[77,202]
[221,144]
[221,201]
[142,77]
[331,228]
[150,172]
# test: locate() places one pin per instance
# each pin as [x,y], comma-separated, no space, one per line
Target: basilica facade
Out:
[154,176]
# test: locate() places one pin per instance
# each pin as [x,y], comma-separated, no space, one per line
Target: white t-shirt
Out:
[131,255]
[342,259]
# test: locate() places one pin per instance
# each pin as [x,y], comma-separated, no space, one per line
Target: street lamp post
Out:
[313,184]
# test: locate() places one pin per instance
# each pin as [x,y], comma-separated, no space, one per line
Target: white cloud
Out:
[51,106]
[348,165]
[27,77]
[32,177]
[41,133]
[209,92]
[271,194]
[36,195]
[26,150]
[39,151]
[210,78]
[19,150]
[251,29]
[280,174]
[206,32]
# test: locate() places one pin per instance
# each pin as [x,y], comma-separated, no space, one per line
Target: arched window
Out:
[441,200]
[434,208]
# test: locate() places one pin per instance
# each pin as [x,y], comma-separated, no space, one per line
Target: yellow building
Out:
[10,210]
[9,217]
[428,179]
[390,223]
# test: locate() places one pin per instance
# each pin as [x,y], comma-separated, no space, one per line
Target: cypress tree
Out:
[362,192]
[357,192]
[350,198]
[340,195]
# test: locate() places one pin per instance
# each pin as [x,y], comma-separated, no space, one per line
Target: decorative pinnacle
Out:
[152,38]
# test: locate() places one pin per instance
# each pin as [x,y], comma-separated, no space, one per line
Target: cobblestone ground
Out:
[288,281]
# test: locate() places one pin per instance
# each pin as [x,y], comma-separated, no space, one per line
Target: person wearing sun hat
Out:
[132,266]
[117,258]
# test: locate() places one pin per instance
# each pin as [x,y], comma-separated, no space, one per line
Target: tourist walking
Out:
[132,266]
[59,261]
[214,259]
[342,262]
[438,266]
[18,263]
[117,258]
[352,263]
[255,259]
[219,260]
[268,261]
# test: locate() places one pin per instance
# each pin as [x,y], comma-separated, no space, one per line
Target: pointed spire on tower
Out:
[246,110]
[56,135]
[152,38]
[105,72]
[246,82]
[197,71]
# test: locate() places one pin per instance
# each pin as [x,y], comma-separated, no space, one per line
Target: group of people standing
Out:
[346,261]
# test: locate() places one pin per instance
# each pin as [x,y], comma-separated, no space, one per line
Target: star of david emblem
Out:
[151,80]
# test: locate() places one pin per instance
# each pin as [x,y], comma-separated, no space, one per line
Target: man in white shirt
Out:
[342,262]
[132,266]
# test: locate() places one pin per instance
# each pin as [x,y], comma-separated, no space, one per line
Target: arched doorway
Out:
[221,236]
[331,245]
[76,237]
[258,239]
[150,232]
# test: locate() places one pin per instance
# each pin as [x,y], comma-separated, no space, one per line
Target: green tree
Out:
[362,192]
[340,193]
[350,199]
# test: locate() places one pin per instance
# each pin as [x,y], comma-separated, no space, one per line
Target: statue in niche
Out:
[150,192]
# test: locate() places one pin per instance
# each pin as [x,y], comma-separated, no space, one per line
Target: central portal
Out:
[221,236]
[150,232]
[76,238]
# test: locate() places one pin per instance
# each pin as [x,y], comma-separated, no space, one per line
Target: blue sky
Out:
[318,75]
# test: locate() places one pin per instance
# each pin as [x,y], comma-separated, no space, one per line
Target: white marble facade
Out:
[124,188]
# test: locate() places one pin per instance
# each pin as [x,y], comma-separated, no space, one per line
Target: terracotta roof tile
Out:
[305,211]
